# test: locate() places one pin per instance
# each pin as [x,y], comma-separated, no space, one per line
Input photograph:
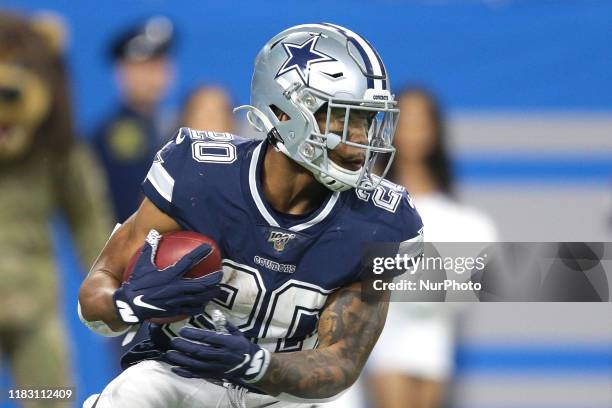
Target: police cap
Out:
[147,40]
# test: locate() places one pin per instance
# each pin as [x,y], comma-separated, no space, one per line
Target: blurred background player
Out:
[42,170]
[209,108]
[413,359]
[128,138]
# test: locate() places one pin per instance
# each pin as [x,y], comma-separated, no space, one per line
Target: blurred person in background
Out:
[422,165]
[413,359]
[128,138]
[208,108]
[43,170]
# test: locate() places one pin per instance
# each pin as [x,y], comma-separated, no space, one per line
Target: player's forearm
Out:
[309,374]
[96,293]
[96,299]
[348,330]
[105,277]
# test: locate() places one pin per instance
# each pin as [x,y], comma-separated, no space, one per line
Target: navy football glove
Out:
[201,353]
[150,293]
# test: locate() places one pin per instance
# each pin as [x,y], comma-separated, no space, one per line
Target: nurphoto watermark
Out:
[490,272]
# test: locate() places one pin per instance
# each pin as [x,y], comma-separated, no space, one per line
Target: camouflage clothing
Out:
[32,336]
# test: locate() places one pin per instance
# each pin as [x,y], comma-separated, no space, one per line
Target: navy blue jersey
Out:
[278,269]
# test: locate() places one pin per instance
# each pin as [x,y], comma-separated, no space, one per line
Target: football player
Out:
[290,214]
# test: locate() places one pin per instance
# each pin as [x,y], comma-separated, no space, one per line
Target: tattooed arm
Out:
[348,329]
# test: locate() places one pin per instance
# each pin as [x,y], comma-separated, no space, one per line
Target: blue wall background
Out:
[495,55]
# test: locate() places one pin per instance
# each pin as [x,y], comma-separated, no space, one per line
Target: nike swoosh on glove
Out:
[202,353]
[150,292]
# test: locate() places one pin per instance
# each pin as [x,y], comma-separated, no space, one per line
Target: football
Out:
[172,247]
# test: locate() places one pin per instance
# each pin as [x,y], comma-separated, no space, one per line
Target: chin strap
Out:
[336,177]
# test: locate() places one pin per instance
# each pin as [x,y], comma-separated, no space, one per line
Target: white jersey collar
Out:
[255,190]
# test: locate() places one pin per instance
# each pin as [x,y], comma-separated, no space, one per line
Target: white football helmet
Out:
[313,66]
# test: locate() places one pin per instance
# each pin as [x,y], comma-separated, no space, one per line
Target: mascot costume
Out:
[43,170]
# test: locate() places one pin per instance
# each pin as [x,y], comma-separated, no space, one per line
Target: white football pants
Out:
[151,384]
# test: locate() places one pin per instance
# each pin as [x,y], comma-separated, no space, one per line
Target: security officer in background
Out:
[128,139]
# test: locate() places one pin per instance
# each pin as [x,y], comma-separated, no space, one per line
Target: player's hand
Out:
[150,293]
[201,353]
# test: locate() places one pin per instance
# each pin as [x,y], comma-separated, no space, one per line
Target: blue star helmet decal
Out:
[301,56]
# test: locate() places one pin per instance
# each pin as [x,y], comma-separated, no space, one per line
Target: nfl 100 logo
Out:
[280,239]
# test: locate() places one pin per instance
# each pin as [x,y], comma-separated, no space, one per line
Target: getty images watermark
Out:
[411,265]
[489,272]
